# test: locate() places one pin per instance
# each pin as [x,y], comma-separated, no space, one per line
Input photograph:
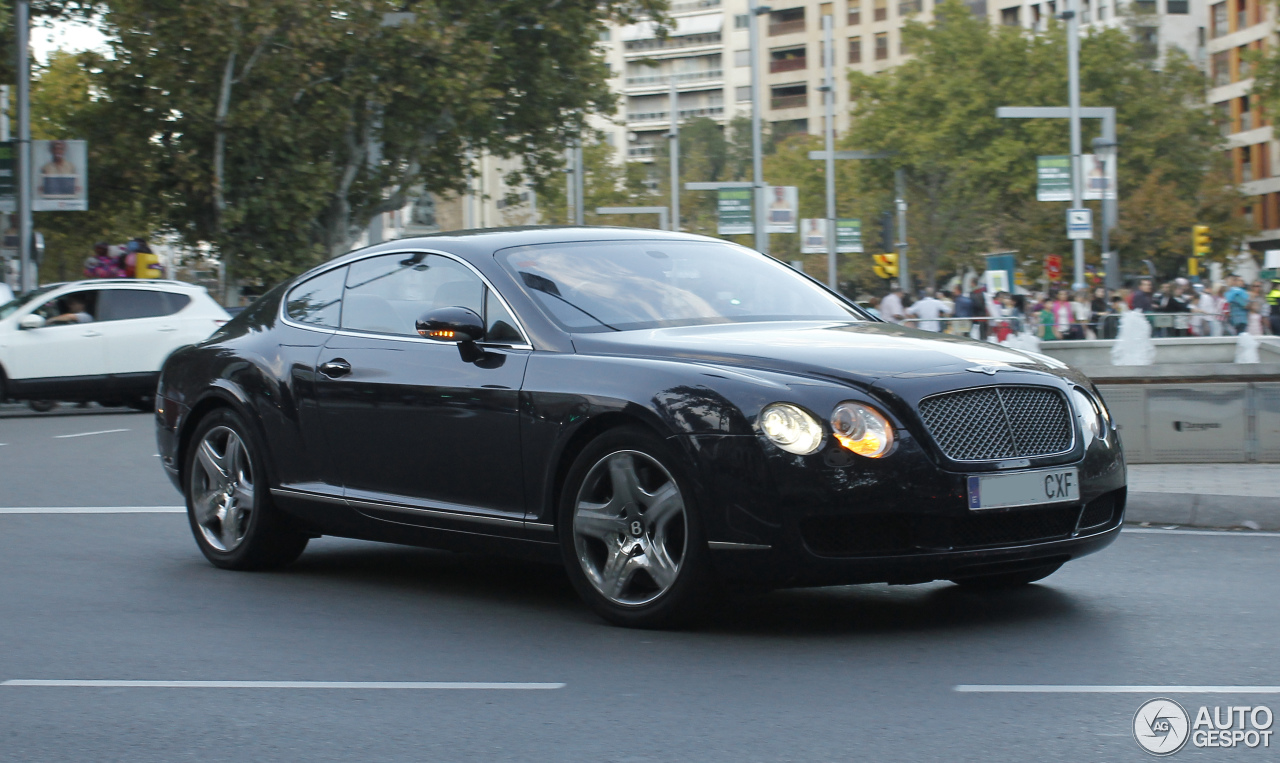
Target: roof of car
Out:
[132,282]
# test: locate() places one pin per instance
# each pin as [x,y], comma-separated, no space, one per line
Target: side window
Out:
[126,304]
[387,294]
[318,301]
[76,307]
[500,328]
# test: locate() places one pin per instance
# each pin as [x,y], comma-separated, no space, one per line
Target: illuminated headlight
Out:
[862,429]
[1092,421]
[791,428]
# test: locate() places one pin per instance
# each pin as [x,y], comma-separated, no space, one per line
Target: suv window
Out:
[128,304]
[75,307]
[317,301]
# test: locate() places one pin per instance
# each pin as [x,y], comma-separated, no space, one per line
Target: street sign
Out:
[1053,178]
[1053,267]
[1079,224]
[735,211]
[813,235]
[848,236]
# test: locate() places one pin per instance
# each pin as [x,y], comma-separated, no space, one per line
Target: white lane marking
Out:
[1069,689]
[498,686]
[86,434]
[1176,531]
[94,510]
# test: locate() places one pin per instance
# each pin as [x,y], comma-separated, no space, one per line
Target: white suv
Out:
[101,340]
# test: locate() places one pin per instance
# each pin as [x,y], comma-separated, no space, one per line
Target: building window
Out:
[1220,68]
[908,7]
[790,127]
[789,97]
[1148,39]
[604,35]
[742,93]
[789,21]
[881,9]
[855,50]
[741,58]
[1225,123]
[741,21]
[882,46]
[1246,164]
[855,12]
[1147,7]
[1244,66]
[1242,15]
[1102,12]
[1246,116]
[787,60]
[1218,20]
[1181,7]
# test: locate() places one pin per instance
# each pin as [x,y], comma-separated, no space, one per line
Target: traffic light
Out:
[886,232]
[1200,240]
[886,265]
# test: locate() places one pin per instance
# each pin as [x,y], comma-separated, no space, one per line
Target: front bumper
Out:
[833,518]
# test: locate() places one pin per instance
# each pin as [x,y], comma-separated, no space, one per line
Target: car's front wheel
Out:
[228,503]
[630,533]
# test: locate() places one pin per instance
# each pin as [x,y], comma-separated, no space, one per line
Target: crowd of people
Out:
[1178,308]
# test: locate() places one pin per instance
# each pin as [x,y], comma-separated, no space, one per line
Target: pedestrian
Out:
[872,305]
[928,310]
[1082,319]
[1173,303]
[1257,310]
[1099,309]
[1273,303]
[891,308]
[1063,315]
[1204,311]
[1237,300]
[1141,299]
[979,299]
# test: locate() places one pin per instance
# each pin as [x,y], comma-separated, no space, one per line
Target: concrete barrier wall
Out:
[1197,422]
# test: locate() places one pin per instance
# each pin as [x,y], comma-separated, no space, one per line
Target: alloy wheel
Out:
[222,488]
[629,528]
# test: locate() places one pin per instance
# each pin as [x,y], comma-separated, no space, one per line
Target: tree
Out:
[608,184]
[971,177]
[280,127]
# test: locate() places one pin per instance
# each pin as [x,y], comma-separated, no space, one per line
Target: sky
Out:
[71,36]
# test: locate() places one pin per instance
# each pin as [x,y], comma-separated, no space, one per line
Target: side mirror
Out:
[32,321]
[454,325]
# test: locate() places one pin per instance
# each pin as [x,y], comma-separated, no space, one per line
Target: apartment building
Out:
[1160,25]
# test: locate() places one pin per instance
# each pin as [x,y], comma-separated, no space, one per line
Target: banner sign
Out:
[848,236]
[60,176]
[1053,178]
[781,208]
[734,206]
[813,239]
[1099,176]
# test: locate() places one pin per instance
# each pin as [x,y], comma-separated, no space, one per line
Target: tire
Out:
[42,406]
[228,498]
[1006,580]
[631,536]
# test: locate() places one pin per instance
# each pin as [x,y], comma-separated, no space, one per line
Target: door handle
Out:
[168,328]
[92,333]
[335,368]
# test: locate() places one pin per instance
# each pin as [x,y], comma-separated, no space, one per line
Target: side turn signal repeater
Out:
[439,334]
[862,429]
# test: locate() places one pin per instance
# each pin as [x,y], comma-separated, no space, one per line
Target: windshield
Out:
[624,285]
[9,308]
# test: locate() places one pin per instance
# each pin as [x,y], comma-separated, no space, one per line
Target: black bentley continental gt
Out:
[665,414]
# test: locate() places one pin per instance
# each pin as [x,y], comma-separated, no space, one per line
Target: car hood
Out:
[857,352]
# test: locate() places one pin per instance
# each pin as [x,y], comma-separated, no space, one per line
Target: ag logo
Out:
[636,528]
[1161,726]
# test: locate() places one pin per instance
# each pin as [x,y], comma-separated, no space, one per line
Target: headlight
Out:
[791,428]
[862,429]
[1090,414]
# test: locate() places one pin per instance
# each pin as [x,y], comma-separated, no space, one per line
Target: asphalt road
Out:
[855,673]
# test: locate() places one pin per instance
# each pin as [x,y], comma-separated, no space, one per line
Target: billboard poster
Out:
[813,235]
[781,209]
[1053,178]
[1099,176]
[848,236]
[61,182]
[734,206]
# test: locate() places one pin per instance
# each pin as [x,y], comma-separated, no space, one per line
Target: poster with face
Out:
[61,182]
[813,236]
[781,208]
[1099,176]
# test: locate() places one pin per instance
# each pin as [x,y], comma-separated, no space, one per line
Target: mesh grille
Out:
[993,423]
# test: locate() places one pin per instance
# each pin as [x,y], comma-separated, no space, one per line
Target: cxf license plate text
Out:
[1002,491]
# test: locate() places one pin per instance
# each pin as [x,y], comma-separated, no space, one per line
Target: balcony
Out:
[789,101]
[671,43]
[663,116]
[786,27]
[788,64]
[656,80]
[693,5]
[642,152]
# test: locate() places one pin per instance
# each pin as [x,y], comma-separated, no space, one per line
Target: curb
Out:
[1204,510]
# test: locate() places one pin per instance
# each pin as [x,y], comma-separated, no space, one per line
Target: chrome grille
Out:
[994,423]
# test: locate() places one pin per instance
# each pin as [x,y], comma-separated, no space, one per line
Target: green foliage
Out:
[971,176]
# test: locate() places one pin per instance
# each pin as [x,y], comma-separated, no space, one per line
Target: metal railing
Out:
[641,151]
[693,5]
[662,116]
[786,27]
[1163,325]
[672,43]
[789,101]
[788,64]
[643,80]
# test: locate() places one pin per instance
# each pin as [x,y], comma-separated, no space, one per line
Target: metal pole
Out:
[5,218]
[900,203]
[757,160]
[674,150]
[1073,80]
[580,184]
[22,22]
[570,196]
[828,62]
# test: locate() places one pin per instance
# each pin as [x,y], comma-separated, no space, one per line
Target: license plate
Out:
[1003,491]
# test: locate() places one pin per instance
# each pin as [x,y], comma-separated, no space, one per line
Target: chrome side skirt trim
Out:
[539,527]
[435,514]
[320,497]
[719,545]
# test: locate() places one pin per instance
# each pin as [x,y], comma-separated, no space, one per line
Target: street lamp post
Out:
[674,136]
[829,133]
[22,23]
[755,10]
[1073,94]
[1106,148]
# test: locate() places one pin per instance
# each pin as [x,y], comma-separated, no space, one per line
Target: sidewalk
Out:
[1205,495]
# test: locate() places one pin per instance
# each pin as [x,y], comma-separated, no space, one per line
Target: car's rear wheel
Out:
[1008,579]
[42,406]
[630,533]
[228,502]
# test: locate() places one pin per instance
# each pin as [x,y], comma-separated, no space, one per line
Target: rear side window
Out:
[127,304]
[317,301]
